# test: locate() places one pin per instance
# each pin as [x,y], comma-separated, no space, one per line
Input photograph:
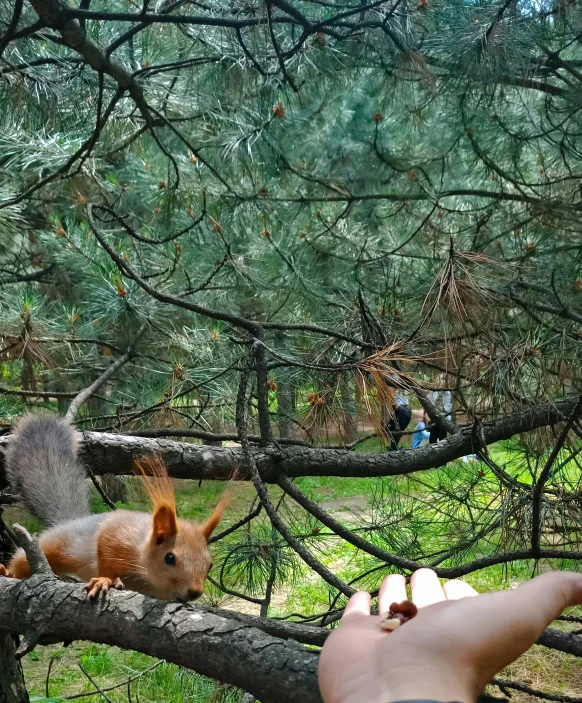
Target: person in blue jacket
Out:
[420,432]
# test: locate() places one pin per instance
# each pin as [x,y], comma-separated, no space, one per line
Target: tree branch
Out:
[232,647]
[11,29]
[544,475]
[219,646]
[86,393]
[112,453]
[263,494]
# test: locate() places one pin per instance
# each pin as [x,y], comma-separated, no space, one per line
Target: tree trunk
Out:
[113,486]
[286,400]
[12,688]
[28,379]
[7,547]
[217,427]
[350,411]
[62,385]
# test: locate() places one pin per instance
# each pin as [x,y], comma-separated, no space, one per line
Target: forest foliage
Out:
[275,215]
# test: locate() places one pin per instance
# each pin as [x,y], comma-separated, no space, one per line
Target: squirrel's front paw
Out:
[102,583]
[4,571]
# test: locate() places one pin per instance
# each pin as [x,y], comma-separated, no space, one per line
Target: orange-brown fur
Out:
[157,483]
[131,546]
[56,553]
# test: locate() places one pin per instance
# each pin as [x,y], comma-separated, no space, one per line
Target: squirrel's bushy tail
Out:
[42,466]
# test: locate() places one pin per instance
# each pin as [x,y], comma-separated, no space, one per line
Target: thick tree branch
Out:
[26,277]
[11,29]
[219,646]
[111,453]
[542,306]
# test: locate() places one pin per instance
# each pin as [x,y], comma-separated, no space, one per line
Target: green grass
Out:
[109,666]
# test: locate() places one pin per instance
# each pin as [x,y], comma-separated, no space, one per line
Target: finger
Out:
[458,589]
[426,588]
[392,590]
[509,622]
[546,596]
[358,605]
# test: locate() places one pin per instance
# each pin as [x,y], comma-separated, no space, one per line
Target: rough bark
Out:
[562,641]
[348,395]
[12,688]
[108,453]
[286,400]
[7,546]
[306,634]
[274,670]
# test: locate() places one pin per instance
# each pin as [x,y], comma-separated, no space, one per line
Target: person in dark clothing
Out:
[399,420]
[437,434]
[443,401]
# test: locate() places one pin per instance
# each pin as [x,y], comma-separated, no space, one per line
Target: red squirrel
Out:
[157,554]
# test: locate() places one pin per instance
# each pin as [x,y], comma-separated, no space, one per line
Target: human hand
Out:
[450,650]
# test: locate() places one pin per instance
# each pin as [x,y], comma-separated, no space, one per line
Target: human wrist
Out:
[427,691]
[410,682]
[400,691]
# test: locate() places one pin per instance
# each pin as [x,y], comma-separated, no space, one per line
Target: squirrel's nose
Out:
[194,593]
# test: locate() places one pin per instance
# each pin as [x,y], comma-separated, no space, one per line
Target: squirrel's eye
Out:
[170,559]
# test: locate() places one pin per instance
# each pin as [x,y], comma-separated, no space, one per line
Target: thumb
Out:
[509,622]
[546,596]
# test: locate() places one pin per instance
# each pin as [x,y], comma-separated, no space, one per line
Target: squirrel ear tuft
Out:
[210,525]
[165,524]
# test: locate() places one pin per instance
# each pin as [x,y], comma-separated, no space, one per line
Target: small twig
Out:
[344,532]
[38,394]
[236,594]
[502,683]
[100,690]
[86,393]
[277,522]
[35,556]
[156,432]
[281,60]
[127,682]
[539,487]
[48,675]
[106,499]
[27,644]
[240,523]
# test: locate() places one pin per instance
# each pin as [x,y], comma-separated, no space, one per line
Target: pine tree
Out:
[346,200]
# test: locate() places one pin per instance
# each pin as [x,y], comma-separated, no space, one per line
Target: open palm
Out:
[453,647]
